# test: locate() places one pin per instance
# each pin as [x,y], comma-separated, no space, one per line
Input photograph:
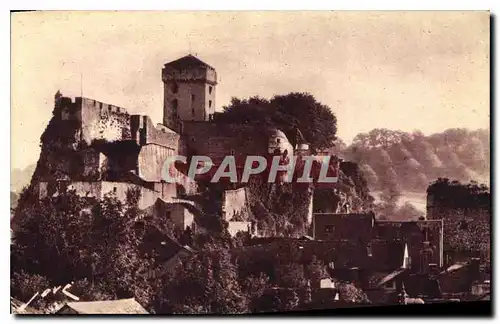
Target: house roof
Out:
[390,277]
[454,267]
[485,297]
[186,62]
[15,306]
[121,306]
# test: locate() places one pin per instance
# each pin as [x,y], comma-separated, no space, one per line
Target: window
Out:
[114,189]
[174,105]
[192,112]
[210,104]
[193,97]
[232,152]
[210,90]
[369,250]
[118,109]
[329,229]
[100,105]
[109,108]
[175,87]
[278,140]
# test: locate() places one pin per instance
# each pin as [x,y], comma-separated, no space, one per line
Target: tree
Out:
[370,175]
[205,283]
[253,287]
[24,286]
[350,293]
[289,275]
[288,113]
[70,238]
[315,271]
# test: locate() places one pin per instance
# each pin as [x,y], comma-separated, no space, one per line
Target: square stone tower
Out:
[189,91]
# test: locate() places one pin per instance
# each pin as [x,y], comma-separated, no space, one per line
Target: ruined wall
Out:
[181,216]
[143,131]
[84,189]
[70,109]
[151,161]
[148,197]
[102,121]
[465,229]
[218,140]
[99,189]
[234,204]
[235,227]
[167,191]
[92,162]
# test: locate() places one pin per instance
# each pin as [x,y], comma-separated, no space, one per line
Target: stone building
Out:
[100,148]
[466,226]
[382,239]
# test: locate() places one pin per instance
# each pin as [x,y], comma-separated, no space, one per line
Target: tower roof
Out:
[188,61]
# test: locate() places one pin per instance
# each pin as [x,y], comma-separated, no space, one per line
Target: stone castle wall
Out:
[98,189]
[234,204]
[143,131]
[102,121]
[219,140]
[465,229]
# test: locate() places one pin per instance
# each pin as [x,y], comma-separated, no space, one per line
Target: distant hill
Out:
[417,199]
[411,161]
[399,166]
[19,178]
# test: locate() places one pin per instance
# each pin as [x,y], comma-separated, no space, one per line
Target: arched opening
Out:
[175,87]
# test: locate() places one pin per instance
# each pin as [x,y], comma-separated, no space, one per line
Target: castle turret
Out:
[189,91]
[301,145]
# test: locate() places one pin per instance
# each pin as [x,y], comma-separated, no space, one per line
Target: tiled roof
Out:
[390,277]
[122,306]
[188,61]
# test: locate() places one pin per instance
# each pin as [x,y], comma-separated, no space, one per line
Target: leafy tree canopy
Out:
[288,113]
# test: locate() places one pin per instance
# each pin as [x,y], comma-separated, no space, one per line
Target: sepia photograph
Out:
[250,162]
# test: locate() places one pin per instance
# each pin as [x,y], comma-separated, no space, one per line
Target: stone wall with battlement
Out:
[218,140]
[234,205]
[143,131]
[151,161]
[99,189]
[240,226]
[102,121]
[99,121]
[205,74]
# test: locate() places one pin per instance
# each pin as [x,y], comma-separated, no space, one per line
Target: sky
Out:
[425,71]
